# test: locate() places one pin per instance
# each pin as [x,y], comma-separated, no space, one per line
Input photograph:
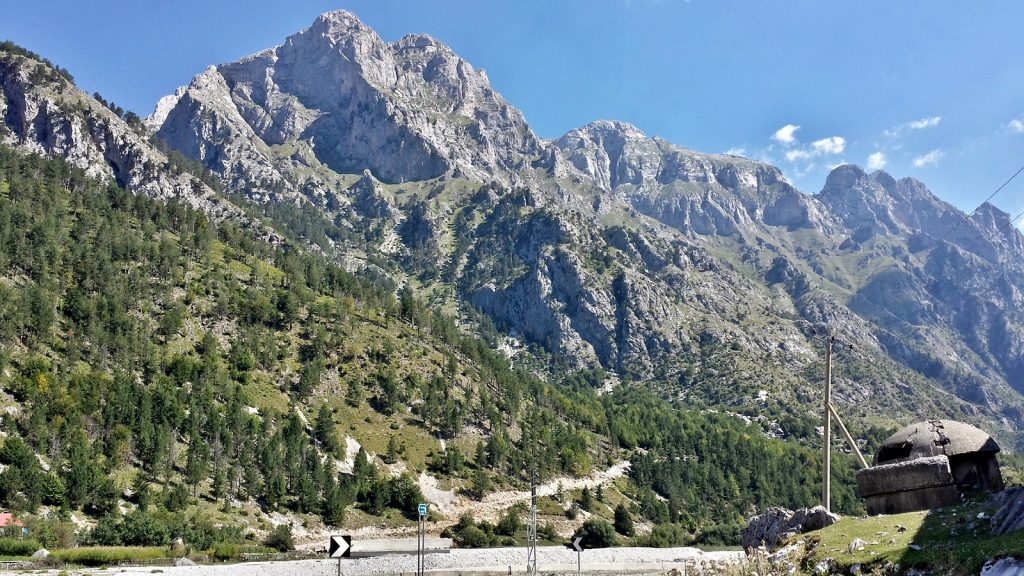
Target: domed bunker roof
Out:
[935,438]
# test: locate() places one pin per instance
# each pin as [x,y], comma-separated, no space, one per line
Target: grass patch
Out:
[547,506]
[951,540]
[18,547]
[231,551]
[265,395]
[106,555]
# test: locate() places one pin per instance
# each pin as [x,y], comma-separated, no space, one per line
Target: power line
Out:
[990,196]
[1010,222]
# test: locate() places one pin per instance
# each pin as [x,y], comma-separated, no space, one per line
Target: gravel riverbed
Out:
[550,560]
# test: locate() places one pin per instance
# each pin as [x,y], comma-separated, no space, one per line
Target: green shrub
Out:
[141,529]
[225,551]
[547,532]
[103,556]
[177,498]
[623,521]
[233,551]
[509,524]
[472,537]
[53,533]
[280,538]
[596,533]
[667,536]
[17,547]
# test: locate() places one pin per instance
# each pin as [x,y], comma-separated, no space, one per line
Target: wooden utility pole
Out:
[830,413]
[826,488]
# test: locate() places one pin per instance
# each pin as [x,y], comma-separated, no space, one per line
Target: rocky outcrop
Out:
[777,525]
[57,119]
[1003,567]
[705,194]
[881,204]
[1009,515]
[407,111]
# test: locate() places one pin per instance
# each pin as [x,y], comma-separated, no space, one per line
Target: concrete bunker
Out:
[927,465]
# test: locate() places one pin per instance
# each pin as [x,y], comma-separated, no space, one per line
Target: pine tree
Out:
[197,463]
[586,499]
[393,449]
[623,521]
[481,483]
[325,433]
[354,394]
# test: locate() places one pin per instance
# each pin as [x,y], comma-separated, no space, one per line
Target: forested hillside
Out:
[157,367]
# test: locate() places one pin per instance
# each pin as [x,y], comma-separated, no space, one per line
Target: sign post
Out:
[340,547]
[579,554]
[421,538]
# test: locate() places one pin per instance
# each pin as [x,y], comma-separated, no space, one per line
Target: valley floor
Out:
[552,559]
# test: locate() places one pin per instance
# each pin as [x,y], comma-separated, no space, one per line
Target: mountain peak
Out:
[883,178]
[420,41]
[409,110]
[844,177]
[603,127]
[339,21]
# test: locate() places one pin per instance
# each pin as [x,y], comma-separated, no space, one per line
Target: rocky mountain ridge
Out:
[44,112]
[708,275]
[611,248]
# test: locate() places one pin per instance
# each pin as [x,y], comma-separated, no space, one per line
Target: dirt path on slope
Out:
[453,505]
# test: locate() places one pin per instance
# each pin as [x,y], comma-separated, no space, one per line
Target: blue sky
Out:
[933,90]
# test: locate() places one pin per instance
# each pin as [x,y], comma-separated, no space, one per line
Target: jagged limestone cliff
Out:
[614,249]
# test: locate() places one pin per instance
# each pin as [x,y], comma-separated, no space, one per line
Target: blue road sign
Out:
[422,509]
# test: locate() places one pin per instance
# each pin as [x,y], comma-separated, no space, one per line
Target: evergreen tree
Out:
[623,521]
[325,433]
[197,461]
[354,393]
[586,501]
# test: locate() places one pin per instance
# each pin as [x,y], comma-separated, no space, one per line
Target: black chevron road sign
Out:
[341,546]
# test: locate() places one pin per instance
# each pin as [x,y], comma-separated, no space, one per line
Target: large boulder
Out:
[778,524]
[1009,516]
[41,554]
[1003,567]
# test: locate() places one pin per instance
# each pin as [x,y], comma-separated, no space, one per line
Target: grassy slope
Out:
[951,540]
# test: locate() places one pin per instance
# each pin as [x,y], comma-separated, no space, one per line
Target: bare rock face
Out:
[778,524]
[45,113]
[709,194]
[609,247]
[1003,567]
[410,110]
[1009,515]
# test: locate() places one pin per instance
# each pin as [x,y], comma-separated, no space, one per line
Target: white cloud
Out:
[825,147]
[786,134]
[930,159]
[1016,125]
[929,122]
[833,145]
[876,161]
[794,155]
[924,123]
[736,151]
